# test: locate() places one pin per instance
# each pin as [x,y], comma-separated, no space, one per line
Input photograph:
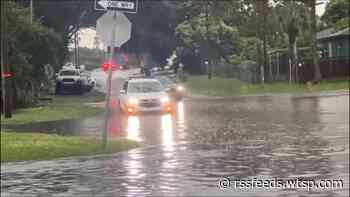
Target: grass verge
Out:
[61,108]
[34,146]
[232,87]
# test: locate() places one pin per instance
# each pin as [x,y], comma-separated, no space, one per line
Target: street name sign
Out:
[126,6]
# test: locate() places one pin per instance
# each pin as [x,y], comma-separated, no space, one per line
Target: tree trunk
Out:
[295,62]
[317,71]
[291,59]
[270,69]
[264,10]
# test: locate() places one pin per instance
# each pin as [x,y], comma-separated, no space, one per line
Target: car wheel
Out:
[58,88]
[179,98]
[80,89]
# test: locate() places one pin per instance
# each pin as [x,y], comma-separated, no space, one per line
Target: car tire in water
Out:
[80,88]
[58,88]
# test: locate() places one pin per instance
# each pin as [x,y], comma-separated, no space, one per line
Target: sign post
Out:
[109,82]
[107,29]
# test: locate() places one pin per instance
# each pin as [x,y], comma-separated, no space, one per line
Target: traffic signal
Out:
[109,65]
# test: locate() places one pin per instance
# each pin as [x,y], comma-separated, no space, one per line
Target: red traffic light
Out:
[6,74]
[109,65]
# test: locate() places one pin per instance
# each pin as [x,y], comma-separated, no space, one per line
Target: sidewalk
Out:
[293,95]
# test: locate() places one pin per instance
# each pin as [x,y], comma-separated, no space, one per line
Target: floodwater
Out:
[204,140]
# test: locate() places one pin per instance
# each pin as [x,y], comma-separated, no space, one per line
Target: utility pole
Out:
[75,50]
[77,37]
[6,89]
[209,70]
[3,21]
[31,11]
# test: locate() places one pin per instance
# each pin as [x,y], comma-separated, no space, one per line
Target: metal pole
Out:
[207,39]
[5,67]
[109,81]
[31,11]
[78,63]
[3,91]
[75,50]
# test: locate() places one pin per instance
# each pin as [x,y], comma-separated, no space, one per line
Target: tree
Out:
[261,8]
[293,20]
[218,40]
[66,18]
[31,47]
[337,13]
[313,31]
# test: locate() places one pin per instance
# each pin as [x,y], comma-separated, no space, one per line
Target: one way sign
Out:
[126,6]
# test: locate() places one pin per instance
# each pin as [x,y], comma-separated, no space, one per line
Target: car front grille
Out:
[68,80]
[149,103]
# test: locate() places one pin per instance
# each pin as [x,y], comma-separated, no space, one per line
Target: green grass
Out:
[90,97]
[34,146]
[232,87]
[61,108]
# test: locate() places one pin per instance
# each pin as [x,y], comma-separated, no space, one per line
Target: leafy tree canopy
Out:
[337,13]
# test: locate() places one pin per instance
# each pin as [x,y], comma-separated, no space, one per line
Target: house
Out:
[334,51]
[334,44]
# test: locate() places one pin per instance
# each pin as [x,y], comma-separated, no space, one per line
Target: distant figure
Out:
[147,71]
[180,72]
[142,67]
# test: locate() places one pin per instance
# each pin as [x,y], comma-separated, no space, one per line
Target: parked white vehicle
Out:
[143,95]
[71,80]
[88,81]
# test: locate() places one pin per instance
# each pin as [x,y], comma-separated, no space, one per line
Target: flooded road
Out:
[202,141]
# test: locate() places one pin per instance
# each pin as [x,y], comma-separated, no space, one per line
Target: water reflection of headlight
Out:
[180,112]
[133,101]
[164,100]
[167,129]
[179,88]
[133,128]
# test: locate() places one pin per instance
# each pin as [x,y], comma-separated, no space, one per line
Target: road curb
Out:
[292,95]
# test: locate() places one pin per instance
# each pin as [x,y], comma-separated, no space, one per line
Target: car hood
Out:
[155,95]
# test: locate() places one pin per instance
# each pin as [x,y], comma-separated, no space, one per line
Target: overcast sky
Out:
[87,36]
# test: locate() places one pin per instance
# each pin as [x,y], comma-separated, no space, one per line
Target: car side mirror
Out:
[122,91]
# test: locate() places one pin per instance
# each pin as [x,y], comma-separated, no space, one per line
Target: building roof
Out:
[332,33]
[286,50]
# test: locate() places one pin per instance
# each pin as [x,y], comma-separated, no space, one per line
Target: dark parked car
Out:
[174,89]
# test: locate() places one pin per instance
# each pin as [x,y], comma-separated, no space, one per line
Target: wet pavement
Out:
[202,141]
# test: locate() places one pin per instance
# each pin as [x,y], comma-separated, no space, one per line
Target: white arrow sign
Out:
[103,3]
[128,6]
[104,28]
[121,4]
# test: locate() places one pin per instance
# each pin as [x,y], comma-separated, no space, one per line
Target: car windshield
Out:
[165,81]
[68,73]
[145,87]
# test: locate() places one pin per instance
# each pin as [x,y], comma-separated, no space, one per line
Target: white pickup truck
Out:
[70,80]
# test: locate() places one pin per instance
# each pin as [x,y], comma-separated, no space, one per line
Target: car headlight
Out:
[164,100]
[133,101]
[179,88]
